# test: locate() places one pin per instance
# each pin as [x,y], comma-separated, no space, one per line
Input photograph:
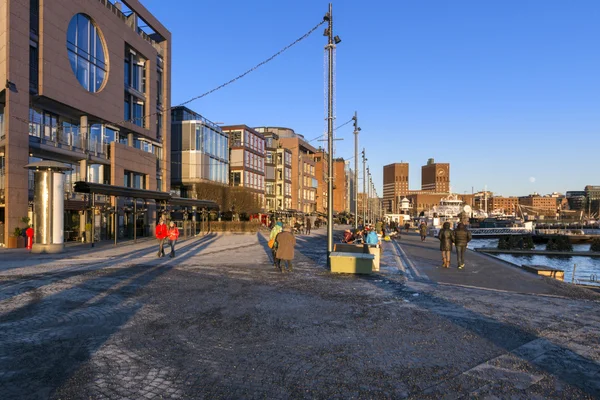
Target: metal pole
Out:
[574,269]
[356,130]
[330,48]
[93,218]
[134,220]
[115,228]
[364,203]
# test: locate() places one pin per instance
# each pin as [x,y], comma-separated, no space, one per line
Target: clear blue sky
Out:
[506,91]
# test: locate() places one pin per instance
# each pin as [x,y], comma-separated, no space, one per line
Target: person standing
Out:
[161,234]
[173,235]
[274,232]
[461,237]
[285,249]
[445,237]
[308,225]
[423,231]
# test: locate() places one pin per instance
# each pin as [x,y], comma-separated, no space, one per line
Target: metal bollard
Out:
[574,269]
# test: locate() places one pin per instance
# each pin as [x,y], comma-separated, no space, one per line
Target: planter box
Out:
[11,243]
[360,249]
[351,263]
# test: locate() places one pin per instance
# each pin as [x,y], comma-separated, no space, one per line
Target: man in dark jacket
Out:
[461,237]
[285,248]
[307,226]
[423,231]
[445,237]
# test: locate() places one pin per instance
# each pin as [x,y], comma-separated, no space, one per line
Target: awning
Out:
[120,191]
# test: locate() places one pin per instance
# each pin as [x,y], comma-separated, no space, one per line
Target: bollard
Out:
[574,269]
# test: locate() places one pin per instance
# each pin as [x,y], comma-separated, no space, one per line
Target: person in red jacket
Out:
[173,235]
[161,234]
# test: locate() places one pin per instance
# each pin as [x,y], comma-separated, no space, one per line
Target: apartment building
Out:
[278,174]
[534,204]
[86,83]
[395,185]
[247,160]
[199,151]
[340,186]
[304,182]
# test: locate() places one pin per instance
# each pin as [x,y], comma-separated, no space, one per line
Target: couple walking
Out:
[282,242]
[163,233]
[460,237]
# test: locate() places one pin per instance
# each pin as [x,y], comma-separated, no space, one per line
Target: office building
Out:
[340,186]
[84,84]
[435,176]
[576,200]
[534,204]
[395,185]
[199,151]
[592,197]
[247,160]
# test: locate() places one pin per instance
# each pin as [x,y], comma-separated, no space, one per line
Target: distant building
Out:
[199,151]
[278,174]
[247,159]
[351,194]
[592,197]
[425,200]
[535,204]
[395,185]
[435,176]
[576,200]
[505,205]
[304,182]
[340,186]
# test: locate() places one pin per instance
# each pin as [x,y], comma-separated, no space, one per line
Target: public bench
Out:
[351,263]
[542,270]
[360,248]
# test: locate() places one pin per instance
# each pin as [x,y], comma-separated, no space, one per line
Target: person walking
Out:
[173,235]
[274,232]
[461,237]
[445,237]
[285,249]
[423,231]
[407,227]
[308,225]
[161,234]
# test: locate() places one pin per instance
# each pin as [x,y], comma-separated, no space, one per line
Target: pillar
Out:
[48,211]
[84,130]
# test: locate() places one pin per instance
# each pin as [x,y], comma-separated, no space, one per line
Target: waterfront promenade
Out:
[219,321]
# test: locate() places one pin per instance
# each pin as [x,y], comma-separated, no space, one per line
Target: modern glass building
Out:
[199,151]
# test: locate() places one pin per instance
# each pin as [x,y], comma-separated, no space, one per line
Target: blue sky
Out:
[506,91]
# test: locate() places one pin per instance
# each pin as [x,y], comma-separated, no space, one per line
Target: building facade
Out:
[321,170]
[435,176]
[247,160]
[535,204]
[592,197]
[340,186]
[351,193]
[66,70]
[278,174]
[304,182]
[395,185]
[576,200]
[199,151]
[505,205]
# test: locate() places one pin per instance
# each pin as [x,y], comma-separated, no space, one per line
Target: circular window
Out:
[87,52]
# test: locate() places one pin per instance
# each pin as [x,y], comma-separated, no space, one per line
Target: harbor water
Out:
[588,268]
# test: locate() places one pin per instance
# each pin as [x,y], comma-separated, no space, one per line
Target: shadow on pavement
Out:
[46,340]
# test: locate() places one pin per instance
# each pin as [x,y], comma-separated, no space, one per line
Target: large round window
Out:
[87,53]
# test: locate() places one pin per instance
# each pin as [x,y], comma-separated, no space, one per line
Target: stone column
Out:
[84,130]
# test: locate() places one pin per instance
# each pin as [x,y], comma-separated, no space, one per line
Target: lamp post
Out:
[332,41]
[356,130]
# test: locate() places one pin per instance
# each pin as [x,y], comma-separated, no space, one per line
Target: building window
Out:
[33,70]
[86,52]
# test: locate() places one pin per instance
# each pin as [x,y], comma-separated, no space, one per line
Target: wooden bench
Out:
[351,263]
[360,248]
[545,271]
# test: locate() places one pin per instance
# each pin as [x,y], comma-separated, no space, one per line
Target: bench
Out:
[360,248]
[545,271]
[351,263]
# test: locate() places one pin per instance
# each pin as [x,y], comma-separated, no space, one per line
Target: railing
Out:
[500,231]
[73,140]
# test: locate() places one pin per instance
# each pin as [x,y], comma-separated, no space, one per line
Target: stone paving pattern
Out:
[219,321]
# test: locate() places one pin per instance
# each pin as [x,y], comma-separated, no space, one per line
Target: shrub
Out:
[235,226]
[503,243]
[528,242]
[560,243]
[595,245]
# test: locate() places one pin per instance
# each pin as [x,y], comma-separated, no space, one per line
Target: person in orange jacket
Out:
[173,235]
[161,234]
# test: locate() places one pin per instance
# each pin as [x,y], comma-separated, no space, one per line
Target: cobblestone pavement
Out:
[218,321]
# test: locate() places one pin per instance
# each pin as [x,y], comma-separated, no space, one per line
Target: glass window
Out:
[86,52]
[127,108]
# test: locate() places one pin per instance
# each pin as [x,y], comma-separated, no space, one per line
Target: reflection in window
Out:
[86,52]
